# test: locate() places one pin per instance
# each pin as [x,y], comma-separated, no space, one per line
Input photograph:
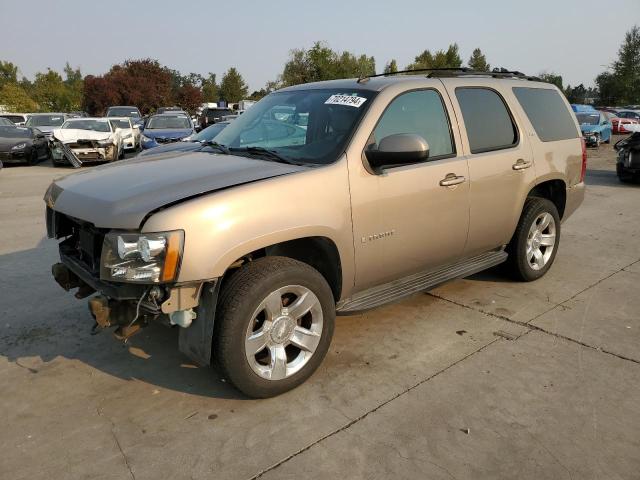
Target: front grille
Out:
[12,156]
[82,241]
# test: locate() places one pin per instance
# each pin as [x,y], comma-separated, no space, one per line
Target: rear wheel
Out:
[534,245]
[274,325]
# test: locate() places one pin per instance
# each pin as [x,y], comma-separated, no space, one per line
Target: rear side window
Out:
[547,113]
[487,120]
[421,112]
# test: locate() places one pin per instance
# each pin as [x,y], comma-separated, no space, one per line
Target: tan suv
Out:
[332,197]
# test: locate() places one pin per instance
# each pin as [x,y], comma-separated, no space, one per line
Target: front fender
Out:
[223,226]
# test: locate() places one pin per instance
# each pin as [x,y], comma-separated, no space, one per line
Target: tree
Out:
[74,84]
[189,97]
[391,67]
[51,93]
[576,94]
[322,63]
[552,78]
[621,85]
[232,87]
[8,73]
[449,58]
[15,99]
[210,91]
[478,61]
[143,83]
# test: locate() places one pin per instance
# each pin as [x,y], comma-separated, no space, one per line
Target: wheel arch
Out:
[554,190]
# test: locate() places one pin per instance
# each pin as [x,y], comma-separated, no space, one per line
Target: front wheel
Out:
[534,245]
[274,324]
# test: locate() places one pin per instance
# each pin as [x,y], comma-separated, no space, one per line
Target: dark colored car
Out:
[46,122]
[124,111]
[210,116]
[193,143]
[22,145]
[165,128]
[628,160]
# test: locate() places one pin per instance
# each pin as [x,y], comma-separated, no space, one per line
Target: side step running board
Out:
[398,289]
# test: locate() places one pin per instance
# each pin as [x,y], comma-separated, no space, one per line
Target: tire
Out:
[243,320]
[530,237]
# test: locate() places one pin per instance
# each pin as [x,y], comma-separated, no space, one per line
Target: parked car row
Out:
[597,125]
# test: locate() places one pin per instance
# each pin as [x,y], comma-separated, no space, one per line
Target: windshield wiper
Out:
[266,154]
[218,146]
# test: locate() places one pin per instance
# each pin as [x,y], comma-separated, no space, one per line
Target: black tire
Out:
[240,296]
[623,176]
[518,264]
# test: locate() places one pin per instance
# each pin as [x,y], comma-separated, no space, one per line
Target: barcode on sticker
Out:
[348,100]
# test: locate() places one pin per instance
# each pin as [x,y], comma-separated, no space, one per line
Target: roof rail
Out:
[457,72]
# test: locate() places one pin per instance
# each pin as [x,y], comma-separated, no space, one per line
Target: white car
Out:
[128,131]
[86,140]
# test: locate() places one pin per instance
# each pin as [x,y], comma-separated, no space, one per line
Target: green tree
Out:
[391,67]
[8,73]
[51,93]
[75,85]
[449,58]
[621,85]
[322,63]
[552,78]
[210,89]
[232,87]
[576,94]
[478,61]
[15,99]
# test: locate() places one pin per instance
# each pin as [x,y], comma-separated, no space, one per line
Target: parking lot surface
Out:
[480,378]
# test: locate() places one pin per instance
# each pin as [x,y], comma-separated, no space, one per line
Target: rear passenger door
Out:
[501,169]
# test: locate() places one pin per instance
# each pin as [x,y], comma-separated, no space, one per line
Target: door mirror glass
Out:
[398,149]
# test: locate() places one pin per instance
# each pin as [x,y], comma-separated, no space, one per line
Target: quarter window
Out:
[548,113]
[486,118]
[421,112]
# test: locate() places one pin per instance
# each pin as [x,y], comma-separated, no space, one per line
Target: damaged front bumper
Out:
[128,307]
[83,151]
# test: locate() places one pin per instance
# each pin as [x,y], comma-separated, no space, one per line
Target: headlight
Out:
[20,146]
[144,138]
[142,257]
[105,143]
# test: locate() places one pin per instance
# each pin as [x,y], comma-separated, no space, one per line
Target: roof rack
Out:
[457,72]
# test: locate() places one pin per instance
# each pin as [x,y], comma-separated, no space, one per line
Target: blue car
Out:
[595,126]
[165,128]
[190,144]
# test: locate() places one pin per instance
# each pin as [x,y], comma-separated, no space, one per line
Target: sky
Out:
[576,39]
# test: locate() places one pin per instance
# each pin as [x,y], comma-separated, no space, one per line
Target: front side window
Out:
[420,112]
[302,126]
[486,118]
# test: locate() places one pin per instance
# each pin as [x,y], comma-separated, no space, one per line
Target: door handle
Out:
[521,164]
[451,179]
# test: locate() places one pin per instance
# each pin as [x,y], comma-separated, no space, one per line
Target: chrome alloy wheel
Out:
[284,332]
[541,241]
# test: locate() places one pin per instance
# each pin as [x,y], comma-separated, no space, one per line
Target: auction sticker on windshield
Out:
[344,99]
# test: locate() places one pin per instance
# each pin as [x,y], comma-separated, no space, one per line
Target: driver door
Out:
[413,217]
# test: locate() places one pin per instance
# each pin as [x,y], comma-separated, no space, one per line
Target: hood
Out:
[120,195]
[6,142]
[172,147]
[47,128]
[167,133]
[72,134]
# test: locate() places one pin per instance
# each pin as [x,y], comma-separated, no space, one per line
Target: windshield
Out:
[45,121]
[168,122]
[120,123]
[14,132]
[307,126]
[123,112]
[94,125]
[13,118]
[588,118]
[209,133]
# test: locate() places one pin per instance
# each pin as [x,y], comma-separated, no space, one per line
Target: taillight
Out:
[583,172]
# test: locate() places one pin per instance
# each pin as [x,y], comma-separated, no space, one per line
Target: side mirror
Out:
[398,149]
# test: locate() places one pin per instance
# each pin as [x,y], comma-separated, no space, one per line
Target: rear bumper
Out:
[575,197]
